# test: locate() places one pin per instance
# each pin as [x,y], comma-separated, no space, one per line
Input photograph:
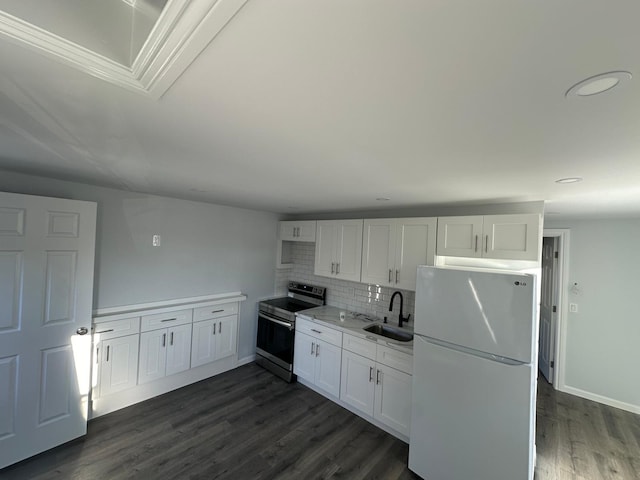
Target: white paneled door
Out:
[46,290]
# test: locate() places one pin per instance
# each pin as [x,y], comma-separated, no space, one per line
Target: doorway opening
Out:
[555,249]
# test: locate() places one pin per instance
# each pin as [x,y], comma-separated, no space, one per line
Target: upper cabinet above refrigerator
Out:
[508,237]
[394,247]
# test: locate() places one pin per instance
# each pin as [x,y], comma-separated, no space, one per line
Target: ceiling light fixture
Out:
[598,84]
[569,180]
[383,199]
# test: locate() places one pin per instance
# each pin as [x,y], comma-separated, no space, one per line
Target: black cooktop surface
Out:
[289,304]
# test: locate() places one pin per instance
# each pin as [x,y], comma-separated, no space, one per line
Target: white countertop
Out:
[353,324]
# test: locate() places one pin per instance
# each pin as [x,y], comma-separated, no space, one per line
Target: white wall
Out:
[603,339]
[206,249]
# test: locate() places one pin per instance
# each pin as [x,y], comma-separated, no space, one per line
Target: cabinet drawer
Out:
[393,358]
[215,311]
[116,328]
[359,345]
[164,320]
[316,330]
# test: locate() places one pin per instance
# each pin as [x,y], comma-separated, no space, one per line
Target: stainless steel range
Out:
[276,327]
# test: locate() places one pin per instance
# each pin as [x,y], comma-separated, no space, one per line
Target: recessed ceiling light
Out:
[383,199]
[598,84]
[569,180]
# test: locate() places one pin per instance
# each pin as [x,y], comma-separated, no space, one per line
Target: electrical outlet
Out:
[156,240]
[573,307]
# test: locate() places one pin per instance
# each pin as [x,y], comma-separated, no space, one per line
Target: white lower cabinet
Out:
[318,362]
[374,388]
[213,339]
[164,352]
[116,364]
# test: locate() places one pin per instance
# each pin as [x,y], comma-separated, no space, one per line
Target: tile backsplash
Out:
[364,298]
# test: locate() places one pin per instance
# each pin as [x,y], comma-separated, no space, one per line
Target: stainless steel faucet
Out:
[400,317]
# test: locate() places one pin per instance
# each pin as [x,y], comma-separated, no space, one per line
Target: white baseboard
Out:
[245,360]
[629,407]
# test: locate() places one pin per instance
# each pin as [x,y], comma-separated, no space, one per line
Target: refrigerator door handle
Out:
[471,351]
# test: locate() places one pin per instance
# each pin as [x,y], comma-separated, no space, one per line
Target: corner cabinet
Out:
[339,249]
[394,247]
[300,231]
[508,237]
[317,356]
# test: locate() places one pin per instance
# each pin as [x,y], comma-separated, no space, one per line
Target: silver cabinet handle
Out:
[108,352]
[168,320]
[377,377]
[476,249]
[317,331]
[486,243]
[317,349]
[220,327]
[337,268]
[105,331]
[218,311]
[312,345]
[390,273]
[164,339]
[333,267]
[370,374]
[171,340]
[214,328]
[397,272]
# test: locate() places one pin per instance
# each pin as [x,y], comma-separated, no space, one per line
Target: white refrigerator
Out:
[474,375]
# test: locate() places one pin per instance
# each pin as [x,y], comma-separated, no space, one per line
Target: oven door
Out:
[275,340]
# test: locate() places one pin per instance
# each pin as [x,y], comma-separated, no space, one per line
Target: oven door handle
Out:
[274,320]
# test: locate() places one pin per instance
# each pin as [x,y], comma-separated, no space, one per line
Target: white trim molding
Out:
[182,32]
[601,399]
[561,326]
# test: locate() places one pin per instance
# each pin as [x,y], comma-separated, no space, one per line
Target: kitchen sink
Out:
[389,332]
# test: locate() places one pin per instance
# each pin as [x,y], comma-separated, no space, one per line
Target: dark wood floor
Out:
[247,424]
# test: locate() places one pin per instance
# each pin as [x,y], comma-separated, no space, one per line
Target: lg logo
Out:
[520,284]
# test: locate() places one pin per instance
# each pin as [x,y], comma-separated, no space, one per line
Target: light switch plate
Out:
[573,307]
[156,241]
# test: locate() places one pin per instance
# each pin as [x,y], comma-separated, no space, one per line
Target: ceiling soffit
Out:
[183,30]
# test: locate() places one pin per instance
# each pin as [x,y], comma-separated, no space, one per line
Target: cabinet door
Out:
[325,248]
[393,398]
[178,349]
[327,368]
[304,356]
[416,245]
[203,345]
[357,383]
[378,252]
[153,355]
[288,230]
[349,250]
[512,237]
[226,336]
[460,236]
[306,231]
[119,364]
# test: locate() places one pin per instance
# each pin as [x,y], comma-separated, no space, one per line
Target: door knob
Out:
[82,331]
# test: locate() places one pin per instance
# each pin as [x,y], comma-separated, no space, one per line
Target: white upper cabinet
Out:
[298,231]
[393,248]
[339,249]
[509,237]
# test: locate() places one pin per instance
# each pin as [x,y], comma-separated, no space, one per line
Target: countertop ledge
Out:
[353,325]
[166,306]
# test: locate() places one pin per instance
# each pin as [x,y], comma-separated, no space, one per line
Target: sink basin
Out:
[389,332]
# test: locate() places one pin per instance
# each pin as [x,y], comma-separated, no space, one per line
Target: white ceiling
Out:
[300,107]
